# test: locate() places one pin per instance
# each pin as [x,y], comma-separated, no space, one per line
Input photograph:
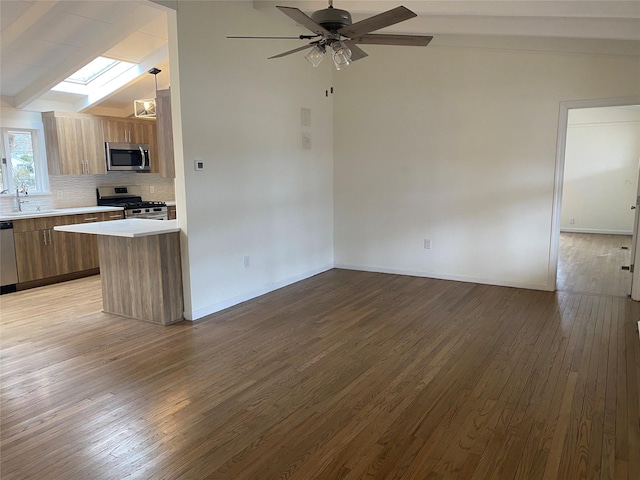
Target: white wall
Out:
[457,145]
[260,195]
[601,170]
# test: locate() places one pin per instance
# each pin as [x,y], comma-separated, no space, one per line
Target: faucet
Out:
[18,201]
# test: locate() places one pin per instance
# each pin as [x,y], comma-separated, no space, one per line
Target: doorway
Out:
[592,218]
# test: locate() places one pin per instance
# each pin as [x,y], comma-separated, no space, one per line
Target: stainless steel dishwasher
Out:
[8,267]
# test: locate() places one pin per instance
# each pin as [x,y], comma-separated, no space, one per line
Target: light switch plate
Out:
[305,117]
[306,140]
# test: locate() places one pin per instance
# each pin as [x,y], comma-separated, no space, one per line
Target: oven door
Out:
[127,157]
[147,213]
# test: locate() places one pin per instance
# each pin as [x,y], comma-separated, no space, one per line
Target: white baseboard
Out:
[456,278]
[593,230]
[219,306]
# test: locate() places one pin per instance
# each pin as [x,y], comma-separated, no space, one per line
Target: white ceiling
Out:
[44,41]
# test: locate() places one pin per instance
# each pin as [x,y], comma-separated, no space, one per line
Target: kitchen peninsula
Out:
[139,266]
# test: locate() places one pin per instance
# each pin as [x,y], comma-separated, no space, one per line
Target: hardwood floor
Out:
[591,263]
[347,375]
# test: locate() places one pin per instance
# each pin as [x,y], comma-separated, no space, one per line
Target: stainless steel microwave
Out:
[133,157]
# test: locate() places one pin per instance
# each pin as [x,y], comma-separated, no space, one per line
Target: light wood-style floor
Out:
[347,375]
[591,263]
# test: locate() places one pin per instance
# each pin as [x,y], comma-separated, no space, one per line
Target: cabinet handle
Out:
[116,217]
[44,236]
[90,219]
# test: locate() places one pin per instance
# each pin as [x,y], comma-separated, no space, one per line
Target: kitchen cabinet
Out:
[132,131]
[164,127]
[128,131]
[42,252]
[74,144]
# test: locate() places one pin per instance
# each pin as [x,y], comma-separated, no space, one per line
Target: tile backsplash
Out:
[70,191]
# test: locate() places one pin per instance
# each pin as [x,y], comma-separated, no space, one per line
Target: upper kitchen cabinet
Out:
[74,144]
[165,163]
[124,130]
[75,141]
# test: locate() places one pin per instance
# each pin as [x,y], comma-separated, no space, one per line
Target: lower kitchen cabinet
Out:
[42,252]
[34,256]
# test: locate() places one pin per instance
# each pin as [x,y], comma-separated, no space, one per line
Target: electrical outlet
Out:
[247,261]
[572,221]
[60,194]
[152,189]
[427,244]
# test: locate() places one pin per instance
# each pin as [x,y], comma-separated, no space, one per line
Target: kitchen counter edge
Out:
[130,227]
[13,216]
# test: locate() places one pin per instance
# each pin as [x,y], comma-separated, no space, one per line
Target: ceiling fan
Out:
[335,33]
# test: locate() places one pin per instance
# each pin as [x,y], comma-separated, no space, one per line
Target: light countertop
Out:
[130,227]
[4,216]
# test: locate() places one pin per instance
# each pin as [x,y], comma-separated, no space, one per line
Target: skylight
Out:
[99,77]
[92,70]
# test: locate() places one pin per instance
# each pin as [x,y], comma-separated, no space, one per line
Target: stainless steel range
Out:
[130,198]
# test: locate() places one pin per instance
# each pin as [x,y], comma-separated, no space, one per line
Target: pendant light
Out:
[146,108]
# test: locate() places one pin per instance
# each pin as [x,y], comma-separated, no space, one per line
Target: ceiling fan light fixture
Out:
[315,55]
[341,55]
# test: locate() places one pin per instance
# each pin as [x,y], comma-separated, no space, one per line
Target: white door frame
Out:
[561,145]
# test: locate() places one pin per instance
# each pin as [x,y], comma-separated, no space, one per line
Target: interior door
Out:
[635,248]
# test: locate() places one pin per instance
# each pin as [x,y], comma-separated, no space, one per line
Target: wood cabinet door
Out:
[70,145]
[114,130]
[165,164]
[74,252]
[93,146]
[142,131]
[33,255]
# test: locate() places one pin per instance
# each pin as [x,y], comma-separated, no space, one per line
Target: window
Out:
[23,165]
[97,75]
[92,70]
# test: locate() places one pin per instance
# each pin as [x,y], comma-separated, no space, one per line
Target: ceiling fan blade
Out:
[289,52]
[382,39]
[303,19]
[385,19]
[356,52]
[269,38]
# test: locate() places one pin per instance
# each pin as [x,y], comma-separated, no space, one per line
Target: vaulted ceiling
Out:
[44,41]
